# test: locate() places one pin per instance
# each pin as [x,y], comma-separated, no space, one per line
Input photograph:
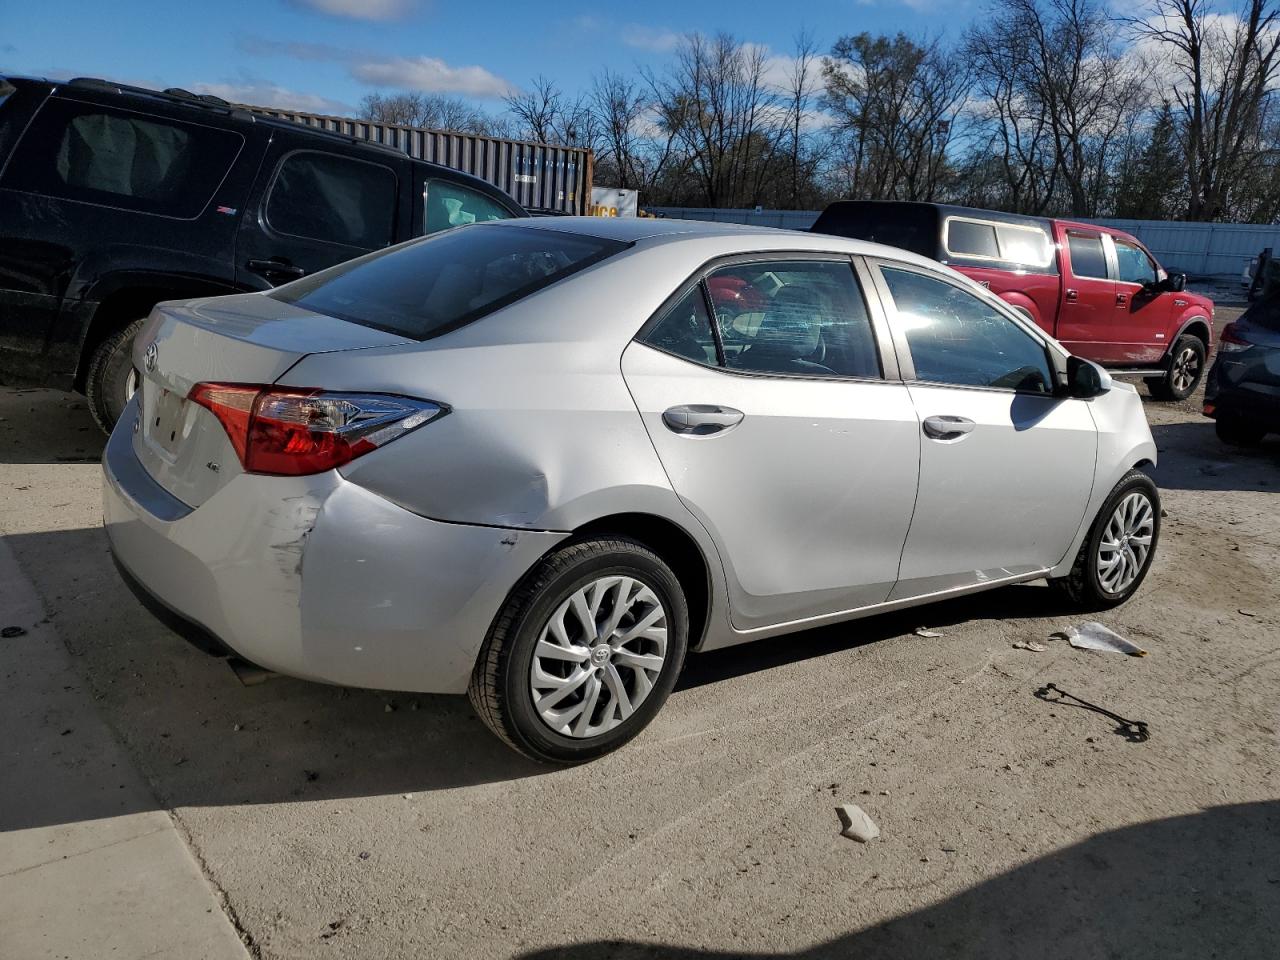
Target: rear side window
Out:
[428,287]
[1134,264]
[973,239]
[453,205]
[1018,243]
[686,330]
[1087,257]
[118,158]
[335,199]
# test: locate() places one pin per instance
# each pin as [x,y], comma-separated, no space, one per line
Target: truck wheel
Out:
[1116,555]
[584,652]
[1185,370]
[1237,432]
[111,380]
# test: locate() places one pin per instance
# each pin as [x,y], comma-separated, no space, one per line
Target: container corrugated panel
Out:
[535,174]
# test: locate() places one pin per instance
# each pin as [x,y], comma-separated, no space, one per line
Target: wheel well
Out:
[673,545]
[1200,330]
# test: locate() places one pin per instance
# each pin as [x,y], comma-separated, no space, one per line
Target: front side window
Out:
[321,196]
[1134,266]
[1087,257]
[685,330]
[428,287]
[797,317]
[118,158]
[453,205]
[958,338]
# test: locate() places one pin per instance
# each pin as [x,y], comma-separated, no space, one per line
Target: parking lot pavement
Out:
[348,823]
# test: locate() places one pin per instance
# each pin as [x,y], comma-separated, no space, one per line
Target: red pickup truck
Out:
[1095,289]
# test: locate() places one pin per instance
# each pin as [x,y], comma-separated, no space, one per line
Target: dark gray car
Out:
[1242,392]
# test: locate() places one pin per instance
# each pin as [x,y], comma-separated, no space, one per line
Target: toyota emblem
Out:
[151,356]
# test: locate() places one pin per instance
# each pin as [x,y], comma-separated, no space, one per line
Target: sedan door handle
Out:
[701,419]
[276,268]
[947,427]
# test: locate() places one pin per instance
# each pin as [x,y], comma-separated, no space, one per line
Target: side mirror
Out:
[1085,379]
[1174,283]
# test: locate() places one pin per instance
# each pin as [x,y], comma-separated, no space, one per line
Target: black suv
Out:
[114,198]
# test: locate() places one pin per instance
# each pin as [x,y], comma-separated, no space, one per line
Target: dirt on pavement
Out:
[351,823]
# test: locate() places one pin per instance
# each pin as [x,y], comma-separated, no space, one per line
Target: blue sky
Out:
[324,55]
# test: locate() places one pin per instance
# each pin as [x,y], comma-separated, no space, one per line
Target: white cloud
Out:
[266,94]
[359,9]
[653,39]
[432,75]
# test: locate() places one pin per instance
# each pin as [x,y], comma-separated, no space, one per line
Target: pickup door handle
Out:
[1072,296]
[947,427]
[1121,299]
[276,268]
[701,419]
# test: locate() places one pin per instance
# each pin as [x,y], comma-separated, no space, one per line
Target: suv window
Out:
[1133,263]
[957,338]
[118,158]
[1087,256]
[794,316]
[686,329]
[321,196]
[449,204]
[430,286]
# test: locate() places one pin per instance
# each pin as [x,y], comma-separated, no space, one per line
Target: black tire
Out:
[106,382]
[500,683]
[1188,352]
[1237,432]
[1082,586]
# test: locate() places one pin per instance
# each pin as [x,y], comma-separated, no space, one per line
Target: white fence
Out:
[1198,249]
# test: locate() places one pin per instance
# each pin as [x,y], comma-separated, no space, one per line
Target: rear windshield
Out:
[428,287]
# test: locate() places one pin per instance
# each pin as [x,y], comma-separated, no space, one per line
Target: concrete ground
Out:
[349,823]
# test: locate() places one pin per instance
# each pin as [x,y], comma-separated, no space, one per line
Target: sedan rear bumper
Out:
[315,577]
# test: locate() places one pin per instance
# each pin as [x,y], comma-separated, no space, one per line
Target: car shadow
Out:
[1191,457]
[1202,885]
[47,426]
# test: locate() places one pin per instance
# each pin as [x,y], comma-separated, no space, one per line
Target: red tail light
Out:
[292,432]
[1231,341]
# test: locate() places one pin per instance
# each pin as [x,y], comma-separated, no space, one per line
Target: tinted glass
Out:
[1087,258]
[686,330]
[957,338]
[117,158]
[972,239]
[451,205]
[321,196]
[798,317]
[1134,264]
[903,225]
[427,287]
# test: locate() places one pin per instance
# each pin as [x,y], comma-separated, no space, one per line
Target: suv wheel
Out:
[1116,555]
[584,653]
[1185,370]
[111,379]
[1238,432]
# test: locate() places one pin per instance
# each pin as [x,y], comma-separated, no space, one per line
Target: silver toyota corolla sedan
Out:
[539,461]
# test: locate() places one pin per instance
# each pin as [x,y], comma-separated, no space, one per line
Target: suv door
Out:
[315,207]
[1087,312]
[1142,313]
[447,203]
[1006,467]
[786,431]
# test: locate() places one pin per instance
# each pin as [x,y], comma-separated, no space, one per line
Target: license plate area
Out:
[164,419]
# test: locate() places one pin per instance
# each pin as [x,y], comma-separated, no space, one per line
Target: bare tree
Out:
[803,83]
[545,114]
[620,108]
[431,110]
[1224,68]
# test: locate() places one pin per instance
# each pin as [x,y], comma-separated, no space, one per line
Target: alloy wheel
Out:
[1125,543]
[598,656]
[1186,369]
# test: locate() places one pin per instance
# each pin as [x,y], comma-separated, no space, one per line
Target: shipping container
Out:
[537,175]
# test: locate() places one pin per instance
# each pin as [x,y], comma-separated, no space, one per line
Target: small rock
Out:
[408,796]
[947,849]
[8,632]
[389,708]
[1029,645]
[855,823]
[364,854]
[311,775]
[1247,613]
[926,632]
[237,727]
[884,793]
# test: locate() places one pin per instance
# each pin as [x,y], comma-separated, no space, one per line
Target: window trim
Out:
[265,203]
[995,226]
[1055,356]
[880,331]
[155,117]
[1108,254]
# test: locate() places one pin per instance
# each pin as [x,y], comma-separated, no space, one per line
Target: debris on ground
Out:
[855,823]
[1029,645]
[1247,613]
[926,632]
[8,632]
[1135,731]
[1091,635]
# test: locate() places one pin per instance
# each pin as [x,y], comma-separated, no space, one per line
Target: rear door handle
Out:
[701,419]
[946,427]
[276,268]
[1072,296]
